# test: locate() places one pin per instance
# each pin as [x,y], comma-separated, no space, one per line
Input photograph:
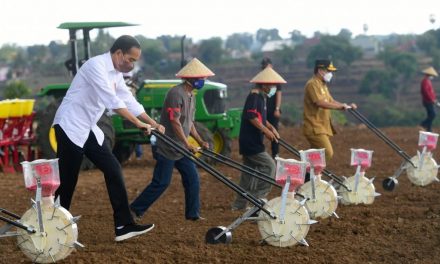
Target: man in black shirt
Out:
[254,127]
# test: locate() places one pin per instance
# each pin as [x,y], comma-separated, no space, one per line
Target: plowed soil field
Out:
[402,226]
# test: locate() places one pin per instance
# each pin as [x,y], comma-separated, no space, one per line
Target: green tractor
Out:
[213,122]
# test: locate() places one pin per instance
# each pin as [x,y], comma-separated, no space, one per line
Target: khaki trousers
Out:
[263,163]
[321,141]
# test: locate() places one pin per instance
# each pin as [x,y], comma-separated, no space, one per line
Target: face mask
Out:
[272,91]
[431,77]
[327,77]
[197,84]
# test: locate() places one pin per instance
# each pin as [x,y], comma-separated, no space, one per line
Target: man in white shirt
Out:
[99,85]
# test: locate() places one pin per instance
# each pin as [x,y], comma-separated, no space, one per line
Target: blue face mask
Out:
[198,84]
[272,91]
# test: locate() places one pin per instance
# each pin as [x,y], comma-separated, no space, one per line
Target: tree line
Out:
[161,57]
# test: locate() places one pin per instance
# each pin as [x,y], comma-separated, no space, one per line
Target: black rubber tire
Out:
[215,231]
[106,125]
[123,151]
[44,121]
[227,142]
[389,184]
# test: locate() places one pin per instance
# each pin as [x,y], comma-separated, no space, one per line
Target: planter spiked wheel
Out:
[363,190]
[58,239]
[322,197]
[427,168]
[425,139]
[47,232]
[426,172]
[220,234]
[292,230]
[293,221]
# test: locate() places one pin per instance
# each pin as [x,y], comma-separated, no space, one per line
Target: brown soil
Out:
[402,226]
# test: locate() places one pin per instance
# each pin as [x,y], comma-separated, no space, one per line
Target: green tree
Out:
[38,53]
[429,42]
[264,35]
[239,41]
[172,43]
[16,89]
[336,48]
[402,66]
[378,82]
[296,36]
[153,50]
[383,113]
[211,51]
[8,53]
[102,43]
[345,33]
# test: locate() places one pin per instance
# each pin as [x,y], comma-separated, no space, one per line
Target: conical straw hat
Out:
[430,71]
[268,75]
[194,69]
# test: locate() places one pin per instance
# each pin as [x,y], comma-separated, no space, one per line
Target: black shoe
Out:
[131,230]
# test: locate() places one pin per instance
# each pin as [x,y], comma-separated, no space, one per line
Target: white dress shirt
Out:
[97,86]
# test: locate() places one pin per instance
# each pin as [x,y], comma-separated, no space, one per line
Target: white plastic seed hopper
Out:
[363,190]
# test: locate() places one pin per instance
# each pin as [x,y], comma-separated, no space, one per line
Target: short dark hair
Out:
[266,61]
[125,43]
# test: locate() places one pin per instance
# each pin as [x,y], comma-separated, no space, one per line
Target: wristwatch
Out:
[277,109]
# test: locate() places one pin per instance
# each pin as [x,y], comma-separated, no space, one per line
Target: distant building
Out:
[370,45]
[273,45]
[4,73]
[237,54]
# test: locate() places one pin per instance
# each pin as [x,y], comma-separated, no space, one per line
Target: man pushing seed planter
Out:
[178,119]
[318,102]
[254,127]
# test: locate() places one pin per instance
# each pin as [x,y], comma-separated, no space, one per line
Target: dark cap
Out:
[325,64]
[265,61]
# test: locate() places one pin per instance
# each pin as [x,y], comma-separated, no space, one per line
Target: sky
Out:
[29,22]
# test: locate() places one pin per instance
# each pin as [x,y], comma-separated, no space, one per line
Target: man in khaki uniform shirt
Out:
[318,102]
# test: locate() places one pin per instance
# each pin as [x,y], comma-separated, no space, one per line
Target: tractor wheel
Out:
[46,139]
[222,142]
[205,134]
[106,125]
[123,151]
[45,133]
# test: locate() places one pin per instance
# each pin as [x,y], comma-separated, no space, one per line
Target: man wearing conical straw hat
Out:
[254,127]
[428,97]
[178,119]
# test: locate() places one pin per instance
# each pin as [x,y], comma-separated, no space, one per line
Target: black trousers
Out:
[70,157]
[275,147]
[430,112]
